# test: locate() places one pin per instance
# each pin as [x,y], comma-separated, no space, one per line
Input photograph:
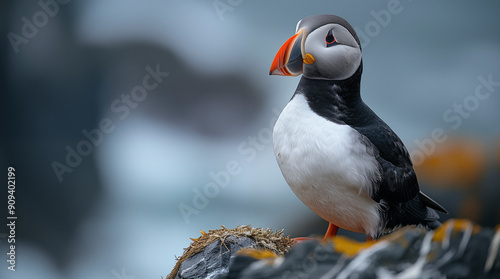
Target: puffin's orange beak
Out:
[288,60]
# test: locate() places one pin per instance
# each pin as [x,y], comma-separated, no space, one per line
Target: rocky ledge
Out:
[457,249]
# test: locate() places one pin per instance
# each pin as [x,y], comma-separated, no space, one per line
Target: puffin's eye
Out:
[330,39]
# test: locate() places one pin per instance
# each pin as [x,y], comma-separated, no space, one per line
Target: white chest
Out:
[327,166]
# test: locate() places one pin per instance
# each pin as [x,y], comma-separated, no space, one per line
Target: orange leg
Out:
[331,232]
[301,239]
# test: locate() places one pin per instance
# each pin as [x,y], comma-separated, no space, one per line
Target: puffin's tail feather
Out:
[420,211]
[431,203]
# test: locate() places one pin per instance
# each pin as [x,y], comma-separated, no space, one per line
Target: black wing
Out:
[398,181]
[340,102]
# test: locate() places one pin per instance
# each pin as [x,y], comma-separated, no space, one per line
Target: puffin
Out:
[338,157]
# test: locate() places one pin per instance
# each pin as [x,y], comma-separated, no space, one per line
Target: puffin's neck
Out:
[337,100]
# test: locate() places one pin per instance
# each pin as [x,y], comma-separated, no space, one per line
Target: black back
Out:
[398,191]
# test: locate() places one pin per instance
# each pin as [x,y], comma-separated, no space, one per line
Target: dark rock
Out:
[214,259]
[457,249]
[210,255]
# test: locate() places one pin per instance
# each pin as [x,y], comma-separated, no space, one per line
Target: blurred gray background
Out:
[149,182]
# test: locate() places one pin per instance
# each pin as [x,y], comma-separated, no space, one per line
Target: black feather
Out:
[339,101]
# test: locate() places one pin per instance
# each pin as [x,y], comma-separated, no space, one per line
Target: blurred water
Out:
[117,213]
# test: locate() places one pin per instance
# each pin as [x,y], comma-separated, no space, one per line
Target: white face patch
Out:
[297,26]
[336,62]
